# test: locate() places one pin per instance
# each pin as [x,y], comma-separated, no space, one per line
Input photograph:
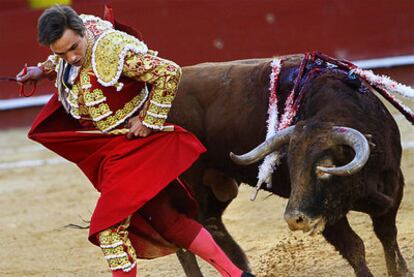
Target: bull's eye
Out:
[322,175]
[324,162]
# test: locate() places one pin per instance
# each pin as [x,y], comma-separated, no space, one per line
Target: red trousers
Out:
[172,225]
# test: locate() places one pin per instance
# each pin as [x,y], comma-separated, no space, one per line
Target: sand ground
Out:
[37,201]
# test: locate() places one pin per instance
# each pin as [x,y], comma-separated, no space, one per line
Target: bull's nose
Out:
[297,221]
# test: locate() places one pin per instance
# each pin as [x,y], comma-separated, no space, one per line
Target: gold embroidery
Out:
[108,238]
[120,115]
[95,97]
[164,76]
[72,100]
[75,89]
[83,110]
[99,112]
[117,247]
[75,112]
[74,97]
[84,78]
[161,111]
[117,250]
[153,122]
[106,59]
[108,55]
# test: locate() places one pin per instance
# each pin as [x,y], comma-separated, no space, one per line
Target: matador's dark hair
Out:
[54,21]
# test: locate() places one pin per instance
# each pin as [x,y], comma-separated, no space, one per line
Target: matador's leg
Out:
[118,250]
[186,233]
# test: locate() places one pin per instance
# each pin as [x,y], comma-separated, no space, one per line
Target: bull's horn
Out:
[358,142]
[270,145]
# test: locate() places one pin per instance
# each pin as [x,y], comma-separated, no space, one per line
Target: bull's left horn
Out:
[268,146]
[358,142]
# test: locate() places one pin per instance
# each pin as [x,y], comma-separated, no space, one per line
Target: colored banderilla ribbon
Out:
[21,88]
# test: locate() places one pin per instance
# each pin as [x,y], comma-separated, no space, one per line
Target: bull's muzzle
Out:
[298,221]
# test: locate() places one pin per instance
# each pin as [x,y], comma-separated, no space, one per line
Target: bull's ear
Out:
[371,143]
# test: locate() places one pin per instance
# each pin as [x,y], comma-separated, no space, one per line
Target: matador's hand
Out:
[33,74]
[137,129]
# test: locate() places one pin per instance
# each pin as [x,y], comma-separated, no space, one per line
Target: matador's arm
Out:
[163,75]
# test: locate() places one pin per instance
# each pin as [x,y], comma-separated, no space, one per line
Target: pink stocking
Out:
[204,246]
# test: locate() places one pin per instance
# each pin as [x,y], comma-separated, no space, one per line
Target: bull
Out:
[343,153]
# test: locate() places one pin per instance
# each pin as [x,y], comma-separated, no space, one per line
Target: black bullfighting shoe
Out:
[247,274]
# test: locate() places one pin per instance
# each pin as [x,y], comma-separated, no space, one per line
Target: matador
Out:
[108,80]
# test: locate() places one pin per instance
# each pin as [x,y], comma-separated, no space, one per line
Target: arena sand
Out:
[36,202]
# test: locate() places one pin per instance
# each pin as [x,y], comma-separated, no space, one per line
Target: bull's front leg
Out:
[189,263]
[349,244]
[210,216]
[201,181]
[227,243]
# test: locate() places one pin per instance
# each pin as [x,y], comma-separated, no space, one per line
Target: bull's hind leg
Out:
[386,231]
[349,244]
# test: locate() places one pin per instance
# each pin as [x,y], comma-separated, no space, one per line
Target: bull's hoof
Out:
[402,273]
[247,274]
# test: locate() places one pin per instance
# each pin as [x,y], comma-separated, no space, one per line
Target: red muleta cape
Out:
[127,173]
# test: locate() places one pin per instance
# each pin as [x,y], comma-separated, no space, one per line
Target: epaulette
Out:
[109,52]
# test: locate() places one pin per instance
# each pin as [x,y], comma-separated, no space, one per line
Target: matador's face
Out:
[71,47]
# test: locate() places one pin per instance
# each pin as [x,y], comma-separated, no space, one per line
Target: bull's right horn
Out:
[358,142]
[270,145]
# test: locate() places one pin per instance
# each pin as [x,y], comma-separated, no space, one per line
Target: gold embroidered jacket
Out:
[111,84]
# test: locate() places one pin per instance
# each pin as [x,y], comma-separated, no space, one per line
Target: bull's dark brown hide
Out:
[225,105]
